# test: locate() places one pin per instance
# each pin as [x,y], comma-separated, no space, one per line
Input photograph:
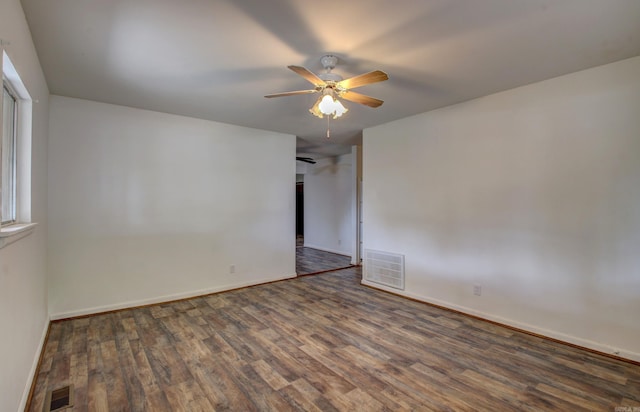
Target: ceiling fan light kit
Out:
[328,105]
[332,87]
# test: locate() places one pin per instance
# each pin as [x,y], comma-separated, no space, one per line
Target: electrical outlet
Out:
[477,290]
[232,269]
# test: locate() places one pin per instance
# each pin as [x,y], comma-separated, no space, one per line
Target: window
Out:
[8,150]
[15,156]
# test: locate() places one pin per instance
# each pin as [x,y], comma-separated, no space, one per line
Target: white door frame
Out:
[356,210]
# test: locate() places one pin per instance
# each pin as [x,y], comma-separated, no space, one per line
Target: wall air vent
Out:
[384,268]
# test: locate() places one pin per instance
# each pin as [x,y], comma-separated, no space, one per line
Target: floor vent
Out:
[59,399]
[384,268]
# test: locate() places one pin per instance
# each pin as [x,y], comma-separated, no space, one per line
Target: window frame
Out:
[23,127]
[14,207]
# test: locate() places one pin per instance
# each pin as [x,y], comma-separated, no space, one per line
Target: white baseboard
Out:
[324,249]
[574,340]
[162,299]
[34,368]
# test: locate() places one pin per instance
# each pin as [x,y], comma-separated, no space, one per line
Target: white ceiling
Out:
[216,59]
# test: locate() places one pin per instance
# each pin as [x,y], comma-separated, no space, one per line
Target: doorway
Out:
[299,210]
[324,219]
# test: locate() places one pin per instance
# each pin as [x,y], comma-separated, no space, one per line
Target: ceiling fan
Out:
[332,86]
[306,159]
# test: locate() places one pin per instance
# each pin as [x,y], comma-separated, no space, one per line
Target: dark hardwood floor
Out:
[319,343]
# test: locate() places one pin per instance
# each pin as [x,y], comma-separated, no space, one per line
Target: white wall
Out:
[328,196]
[23,305]
[532,193]
[146,206]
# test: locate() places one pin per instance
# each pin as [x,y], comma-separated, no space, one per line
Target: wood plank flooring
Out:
[319,343]
[309,260]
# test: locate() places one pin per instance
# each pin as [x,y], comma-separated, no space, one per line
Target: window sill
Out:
[15,232]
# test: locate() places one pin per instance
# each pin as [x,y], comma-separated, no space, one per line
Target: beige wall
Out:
[23,305]
[146,206]
[328,193]
[532,193]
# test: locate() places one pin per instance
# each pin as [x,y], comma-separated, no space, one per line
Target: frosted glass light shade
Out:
[330,106]
[339,109]
[327,105]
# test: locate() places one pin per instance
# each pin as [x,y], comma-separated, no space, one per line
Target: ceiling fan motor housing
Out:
[330,77]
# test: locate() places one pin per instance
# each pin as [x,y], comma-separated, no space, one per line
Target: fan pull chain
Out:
[328,128]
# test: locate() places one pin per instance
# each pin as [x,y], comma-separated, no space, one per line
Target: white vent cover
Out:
[384,268]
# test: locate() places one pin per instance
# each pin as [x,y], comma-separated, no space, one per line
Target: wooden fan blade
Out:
[361,98]
[308,75]
[363,79]
[297,92]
